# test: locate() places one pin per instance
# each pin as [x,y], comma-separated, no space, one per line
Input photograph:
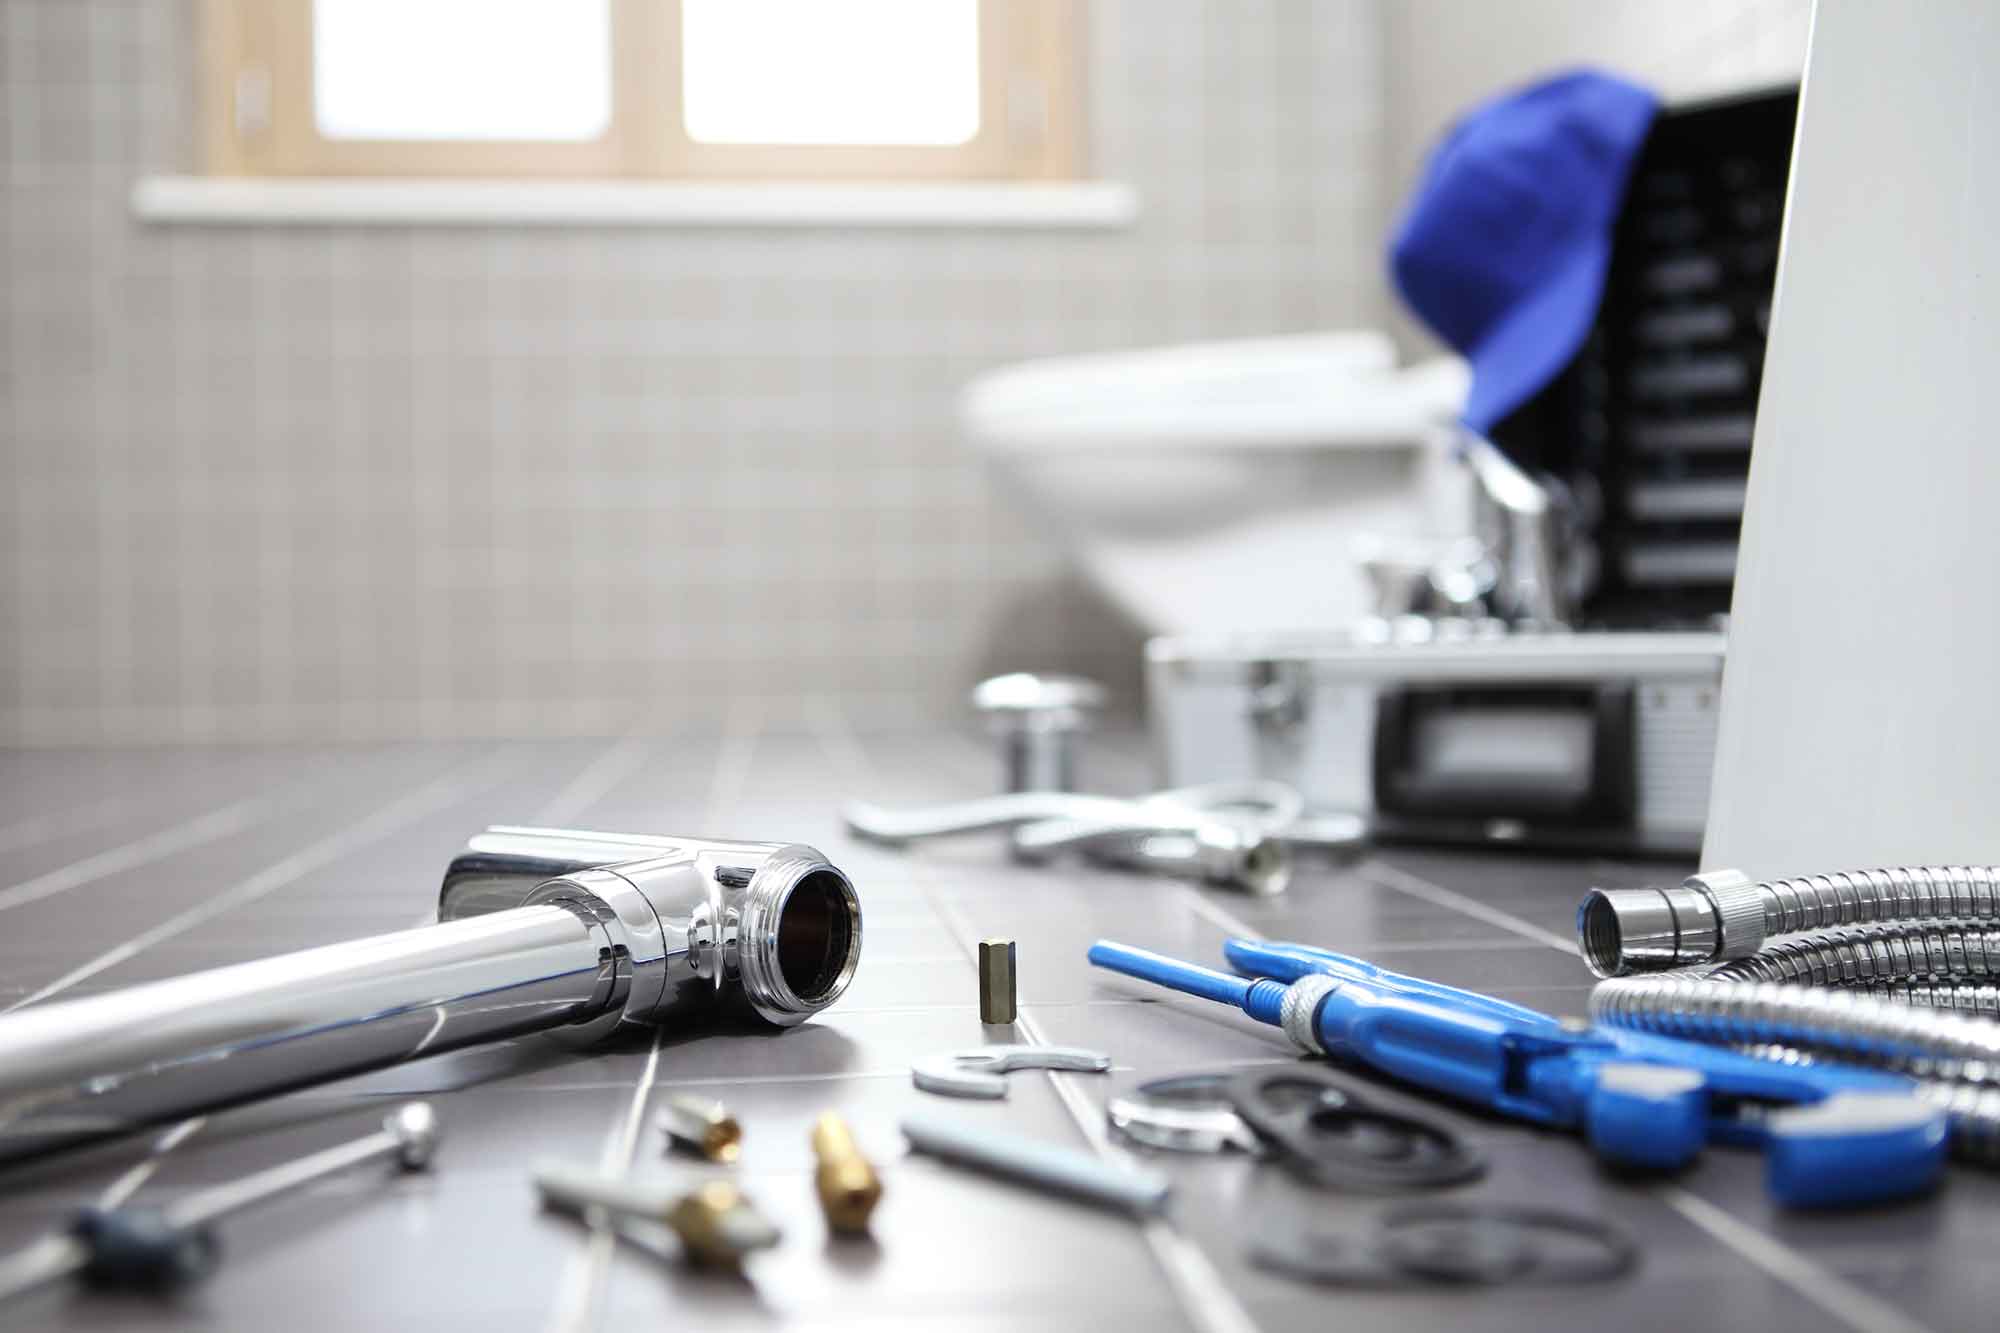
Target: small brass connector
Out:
[996,981]
[848,1187]
[702,1125]
[719,1226]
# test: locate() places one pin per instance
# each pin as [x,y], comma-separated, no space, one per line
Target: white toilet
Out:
[1231,486]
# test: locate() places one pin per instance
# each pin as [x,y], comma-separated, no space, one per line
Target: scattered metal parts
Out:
[1228,834]
[1038,719]
[1452,1244]
[1187,1113]
[1329,1136]
[1046,1166]
[717,1224]
[702,1125]
[977,1072]
[997,985]
[505,959]
[157,1249]
[847,1183]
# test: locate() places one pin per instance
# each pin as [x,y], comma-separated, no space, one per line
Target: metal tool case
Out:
[1456,730]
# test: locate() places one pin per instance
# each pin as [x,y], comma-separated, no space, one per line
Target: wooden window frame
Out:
[257,110]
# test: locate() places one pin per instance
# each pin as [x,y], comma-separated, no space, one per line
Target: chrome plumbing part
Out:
[536,932]
[1038,720]
[1046,1166]
[1886,986]
[161,1248]
[717,1223]
[977,1072]
[1720,916]
[1222,833]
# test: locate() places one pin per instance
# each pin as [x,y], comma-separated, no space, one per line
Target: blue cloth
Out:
[1503,249]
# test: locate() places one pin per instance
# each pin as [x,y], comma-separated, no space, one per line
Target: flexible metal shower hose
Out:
[1893,893]
[1918,992]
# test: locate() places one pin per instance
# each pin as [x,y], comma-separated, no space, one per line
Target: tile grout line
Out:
[583,1276]
[612,767]
[577,1302]
[1198,1287]
[1852,1305]
[197,831]
[1411,886]
[454,785]
[131,1181]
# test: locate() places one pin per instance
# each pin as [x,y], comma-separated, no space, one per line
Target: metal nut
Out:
[996,981]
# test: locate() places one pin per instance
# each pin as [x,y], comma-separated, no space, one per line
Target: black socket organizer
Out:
[1651,423]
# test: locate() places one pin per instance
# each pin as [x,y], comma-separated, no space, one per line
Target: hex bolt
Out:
[1037,719]
[996,981]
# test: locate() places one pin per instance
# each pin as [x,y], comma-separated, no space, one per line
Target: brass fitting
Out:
[719,1226]
[702,1125]
[848,1187]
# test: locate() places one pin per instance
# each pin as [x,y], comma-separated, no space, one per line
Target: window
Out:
[798,89]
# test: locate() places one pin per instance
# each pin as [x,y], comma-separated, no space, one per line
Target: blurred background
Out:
[280,477]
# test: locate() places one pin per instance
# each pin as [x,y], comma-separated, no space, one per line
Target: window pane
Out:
[815,72]
[462,69]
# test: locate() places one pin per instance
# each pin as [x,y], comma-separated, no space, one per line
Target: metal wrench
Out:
[977,1072]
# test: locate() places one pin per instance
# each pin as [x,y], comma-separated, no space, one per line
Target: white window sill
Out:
[1093,205]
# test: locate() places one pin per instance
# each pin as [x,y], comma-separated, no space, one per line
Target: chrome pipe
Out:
[581,954]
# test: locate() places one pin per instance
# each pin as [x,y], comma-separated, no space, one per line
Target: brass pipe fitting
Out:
[848,1187]
[702,1125]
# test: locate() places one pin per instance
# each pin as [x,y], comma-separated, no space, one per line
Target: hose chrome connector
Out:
[1720,915]
[1646,930]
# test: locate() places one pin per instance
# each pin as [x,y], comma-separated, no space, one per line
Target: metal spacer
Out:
[1300,1006]
[1739,911]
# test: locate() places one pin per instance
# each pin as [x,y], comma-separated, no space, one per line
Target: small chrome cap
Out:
[415,1128]
[1621,931]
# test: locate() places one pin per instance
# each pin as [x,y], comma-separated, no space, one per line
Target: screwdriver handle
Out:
[576,1190]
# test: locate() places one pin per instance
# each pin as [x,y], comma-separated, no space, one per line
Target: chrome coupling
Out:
[1713,916]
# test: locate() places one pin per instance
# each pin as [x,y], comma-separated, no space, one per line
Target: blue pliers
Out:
[1831,1135]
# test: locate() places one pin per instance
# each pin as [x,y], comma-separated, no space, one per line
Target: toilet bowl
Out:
[1232,486]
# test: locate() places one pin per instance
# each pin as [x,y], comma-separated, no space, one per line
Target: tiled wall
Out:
[334,482]
[263,483]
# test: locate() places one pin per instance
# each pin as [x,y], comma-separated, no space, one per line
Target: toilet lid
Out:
[1340,390]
